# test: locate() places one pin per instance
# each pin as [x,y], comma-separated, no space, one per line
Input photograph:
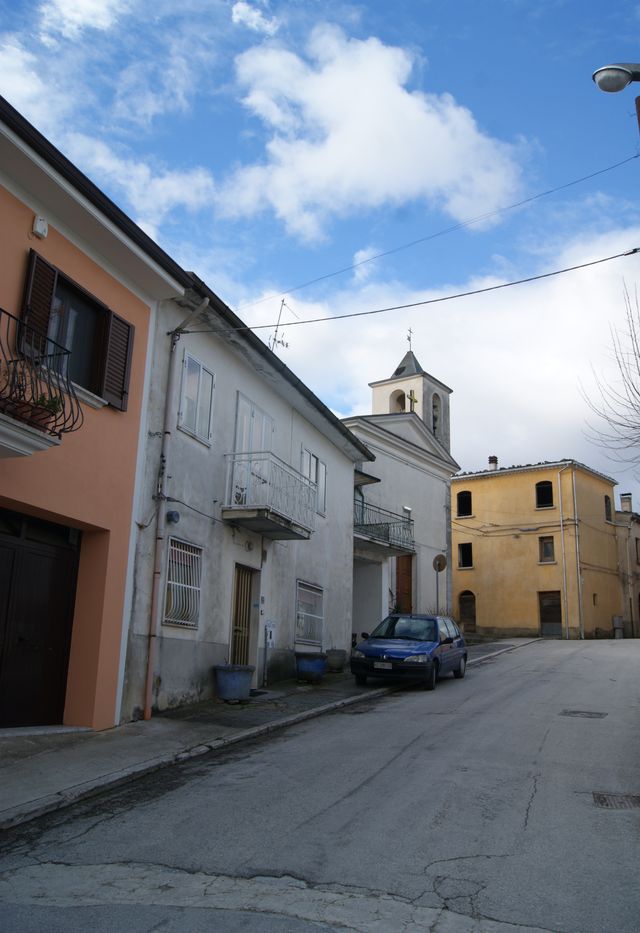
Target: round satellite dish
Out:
[439,562]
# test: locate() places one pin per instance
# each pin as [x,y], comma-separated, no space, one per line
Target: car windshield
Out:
[407,627]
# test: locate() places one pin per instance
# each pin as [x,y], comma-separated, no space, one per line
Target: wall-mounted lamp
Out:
[173,517]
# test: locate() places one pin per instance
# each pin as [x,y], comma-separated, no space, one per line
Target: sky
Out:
[349,157]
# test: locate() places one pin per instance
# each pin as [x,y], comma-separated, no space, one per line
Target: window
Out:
[309,614]
[465,555]
[196,399]
[607,508]
[316,471]
[637,550]
[546,551]
[544,495]
[464,503]
[435,414]
[100,342]
[182,598]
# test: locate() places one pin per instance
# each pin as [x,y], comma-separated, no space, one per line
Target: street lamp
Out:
[616,77]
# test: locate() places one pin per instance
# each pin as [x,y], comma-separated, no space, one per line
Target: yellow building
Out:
[535,552]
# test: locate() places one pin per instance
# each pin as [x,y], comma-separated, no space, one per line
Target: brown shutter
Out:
[115,388]
[39,291]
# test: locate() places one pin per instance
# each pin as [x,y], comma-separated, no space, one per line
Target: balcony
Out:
[380,532]
[37,401]
[267,496]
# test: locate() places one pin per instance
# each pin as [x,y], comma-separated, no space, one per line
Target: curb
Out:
[58,801]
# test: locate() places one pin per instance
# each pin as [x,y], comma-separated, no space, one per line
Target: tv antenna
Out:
[276,341]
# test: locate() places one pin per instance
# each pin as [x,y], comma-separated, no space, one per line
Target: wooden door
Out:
[37,595]
[404,583]
[550,614]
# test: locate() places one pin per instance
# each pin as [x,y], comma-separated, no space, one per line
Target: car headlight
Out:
[357,654]
[418,659]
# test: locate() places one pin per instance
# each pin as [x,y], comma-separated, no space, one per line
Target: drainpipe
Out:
[564,563]
[161,498]
[575,512]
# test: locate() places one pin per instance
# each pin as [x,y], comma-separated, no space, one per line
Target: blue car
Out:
[411,647]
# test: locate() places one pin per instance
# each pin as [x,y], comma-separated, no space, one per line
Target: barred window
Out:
[182,598]
[309,614]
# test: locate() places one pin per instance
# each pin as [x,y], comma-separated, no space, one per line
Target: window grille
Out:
[309,614]
[182,598]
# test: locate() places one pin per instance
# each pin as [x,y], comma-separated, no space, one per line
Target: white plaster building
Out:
[402,500]
[246,515]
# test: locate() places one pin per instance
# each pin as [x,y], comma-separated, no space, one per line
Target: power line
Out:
[432,236]
[431,301]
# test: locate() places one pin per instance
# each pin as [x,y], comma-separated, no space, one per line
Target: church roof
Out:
[409,366]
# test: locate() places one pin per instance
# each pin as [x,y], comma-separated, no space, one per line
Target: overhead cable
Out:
[432,236]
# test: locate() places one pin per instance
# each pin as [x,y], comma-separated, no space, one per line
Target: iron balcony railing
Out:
[382,525]
[260,480]
[34,386]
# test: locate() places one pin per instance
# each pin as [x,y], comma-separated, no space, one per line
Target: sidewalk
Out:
[45,769]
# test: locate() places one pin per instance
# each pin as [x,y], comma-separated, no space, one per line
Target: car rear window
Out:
[406,627]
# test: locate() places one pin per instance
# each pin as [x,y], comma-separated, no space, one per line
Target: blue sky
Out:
[265,145]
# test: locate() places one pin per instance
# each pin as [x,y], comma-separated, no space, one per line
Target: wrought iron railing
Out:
[260,480]
[383,525]
[34,386]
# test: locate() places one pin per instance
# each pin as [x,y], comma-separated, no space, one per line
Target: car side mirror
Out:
[447,641]
[364,634]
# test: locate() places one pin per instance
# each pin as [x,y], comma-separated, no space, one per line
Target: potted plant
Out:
[45,411]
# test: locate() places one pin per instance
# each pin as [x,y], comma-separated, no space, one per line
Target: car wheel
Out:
[432,677]
[361,680]
[462,667]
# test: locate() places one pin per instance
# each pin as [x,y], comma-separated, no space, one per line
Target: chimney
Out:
[625,502]
[493,463]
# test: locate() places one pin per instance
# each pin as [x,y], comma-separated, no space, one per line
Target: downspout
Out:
[565,597]
[575,513]
[161,498]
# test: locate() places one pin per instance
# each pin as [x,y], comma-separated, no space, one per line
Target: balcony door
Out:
[254,438]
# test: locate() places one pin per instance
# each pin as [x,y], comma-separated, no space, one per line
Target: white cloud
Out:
[152,194]
[69,18]
[331,153]
[363,268]
[27,85]
[244,14]
[517,359]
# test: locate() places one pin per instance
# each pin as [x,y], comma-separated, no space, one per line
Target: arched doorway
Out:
[467,610]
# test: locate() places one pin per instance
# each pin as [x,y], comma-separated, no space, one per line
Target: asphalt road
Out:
[509,800]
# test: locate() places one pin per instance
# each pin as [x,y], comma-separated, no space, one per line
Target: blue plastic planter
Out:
[233,681]
[310,666]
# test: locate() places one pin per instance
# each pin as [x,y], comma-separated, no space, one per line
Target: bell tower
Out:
[412,391]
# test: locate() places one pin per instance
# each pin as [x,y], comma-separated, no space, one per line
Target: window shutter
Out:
[115,388]
[39,290]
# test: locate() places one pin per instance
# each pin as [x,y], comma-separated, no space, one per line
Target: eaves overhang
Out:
[32,164]
[534,467]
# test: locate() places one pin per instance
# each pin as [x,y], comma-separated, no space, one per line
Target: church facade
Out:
[402,527]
